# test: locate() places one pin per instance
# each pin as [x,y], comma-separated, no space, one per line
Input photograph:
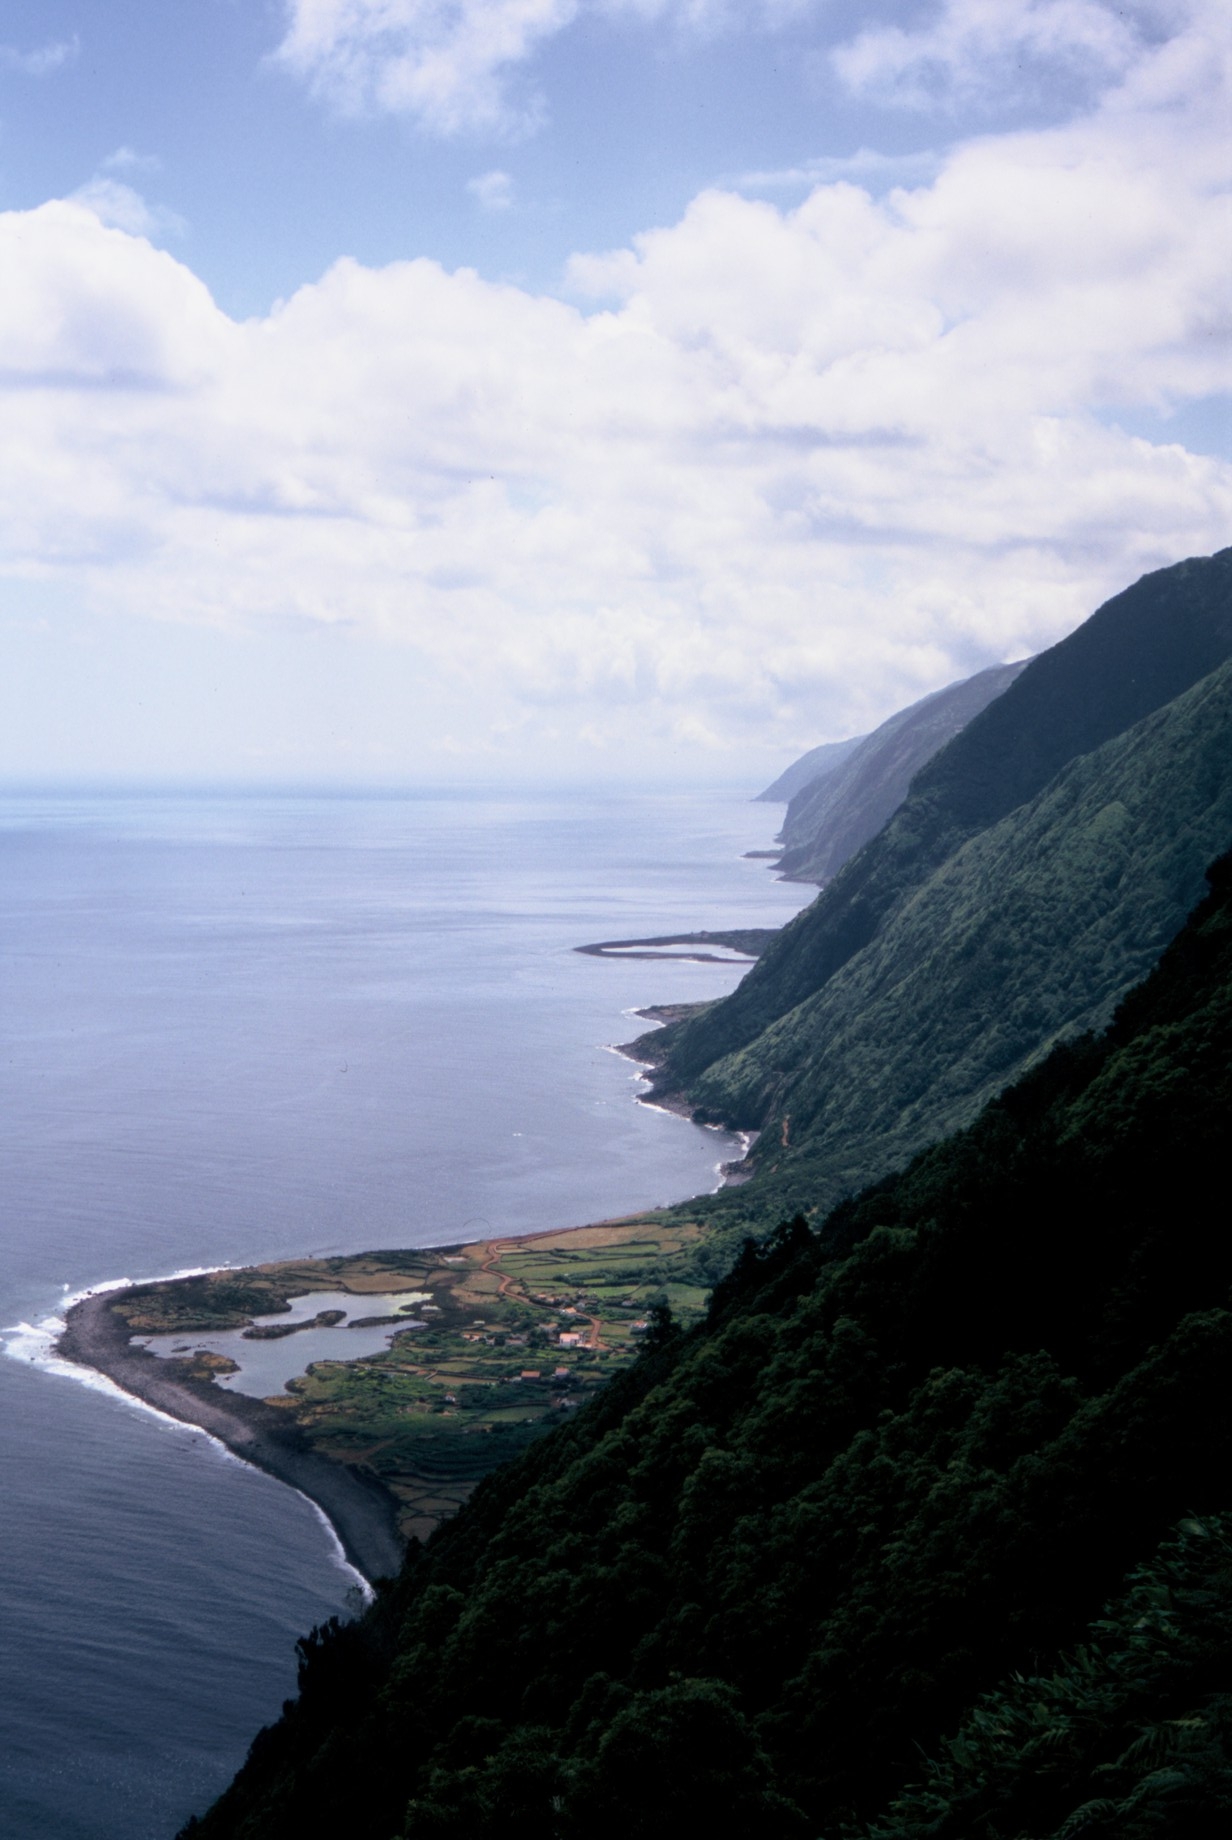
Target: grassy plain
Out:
[487,1370]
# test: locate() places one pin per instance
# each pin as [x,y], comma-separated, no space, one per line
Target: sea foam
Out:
[35,1344]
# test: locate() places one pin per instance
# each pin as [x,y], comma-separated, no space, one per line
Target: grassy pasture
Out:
[445,1404]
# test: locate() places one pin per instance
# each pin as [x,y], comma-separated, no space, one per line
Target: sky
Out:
[411,391]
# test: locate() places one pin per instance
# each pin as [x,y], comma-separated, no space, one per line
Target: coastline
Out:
[733,1173]
[674,1104]
[361,1512]
[387,1447]
[739,946]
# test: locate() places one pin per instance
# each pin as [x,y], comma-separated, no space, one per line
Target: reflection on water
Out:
[264,1367]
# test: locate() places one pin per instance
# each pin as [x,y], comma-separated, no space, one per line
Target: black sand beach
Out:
[359,1509]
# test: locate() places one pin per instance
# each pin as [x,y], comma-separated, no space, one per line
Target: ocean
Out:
[250,1027]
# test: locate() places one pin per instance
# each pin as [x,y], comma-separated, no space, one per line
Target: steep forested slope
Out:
[829,819]
[1129,1735]
[1138,652]
[898,1462]
[1034,928]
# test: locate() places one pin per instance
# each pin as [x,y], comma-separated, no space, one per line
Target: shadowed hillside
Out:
[1135,654]
[1039,862]
[899,1463]
[1034,929]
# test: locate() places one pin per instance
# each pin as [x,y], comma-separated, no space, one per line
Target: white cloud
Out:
[41,61]
[460,66]
[706,18]
[492,190]
[876,171]
[445,62]
[805,465]
[453,64]
[127,159]
[980,50]
[119,205]
[88,307]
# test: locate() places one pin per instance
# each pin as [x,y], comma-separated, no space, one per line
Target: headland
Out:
[360,1510]
[516,1334]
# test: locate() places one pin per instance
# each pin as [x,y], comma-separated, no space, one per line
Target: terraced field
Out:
[515,1332]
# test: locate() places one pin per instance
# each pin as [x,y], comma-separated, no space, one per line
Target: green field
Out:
[446,1403]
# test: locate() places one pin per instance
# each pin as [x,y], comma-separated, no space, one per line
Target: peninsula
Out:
[736,945]
[515,1334]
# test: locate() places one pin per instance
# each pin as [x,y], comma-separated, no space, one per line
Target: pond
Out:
[265,1365]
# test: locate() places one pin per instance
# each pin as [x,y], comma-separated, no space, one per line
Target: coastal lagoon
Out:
[248,1028]
[264,1366]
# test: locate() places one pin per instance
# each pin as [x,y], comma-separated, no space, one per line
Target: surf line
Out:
[359,1528]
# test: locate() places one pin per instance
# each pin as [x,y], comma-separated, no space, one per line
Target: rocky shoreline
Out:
[360,1510]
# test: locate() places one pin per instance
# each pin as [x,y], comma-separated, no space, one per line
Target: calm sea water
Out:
[247,1028]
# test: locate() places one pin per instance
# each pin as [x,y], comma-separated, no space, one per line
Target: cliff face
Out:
[811,768]
[1032,931]
[921,1436]
[901,1463]
[1038,862]
[832,817]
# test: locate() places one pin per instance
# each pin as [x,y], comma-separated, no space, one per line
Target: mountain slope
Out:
[816,765]
[1130,1734]
[1139,651]
[830,819]
[1034,928]
[785,1553]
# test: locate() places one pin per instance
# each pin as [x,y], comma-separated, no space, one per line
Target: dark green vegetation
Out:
[830,818]
[1039,864]
[1130,1734]
[482,1371]
[901,1462]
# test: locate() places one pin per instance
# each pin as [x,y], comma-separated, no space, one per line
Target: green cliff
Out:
[829,819]
[1040,862]
[900,1466]
[923,1530]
